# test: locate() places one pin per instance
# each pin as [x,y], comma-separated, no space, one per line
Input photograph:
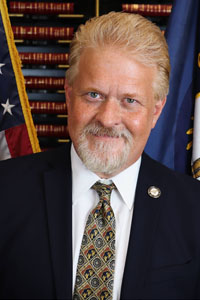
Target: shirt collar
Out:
[126,182]
[83,179]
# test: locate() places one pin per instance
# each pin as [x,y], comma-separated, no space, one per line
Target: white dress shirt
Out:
[84,199]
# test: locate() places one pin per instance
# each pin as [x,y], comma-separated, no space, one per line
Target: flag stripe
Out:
[4,150]
[18,140]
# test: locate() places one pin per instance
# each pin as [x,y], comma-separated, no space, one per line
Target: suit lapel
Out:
[59,213]
[144,223]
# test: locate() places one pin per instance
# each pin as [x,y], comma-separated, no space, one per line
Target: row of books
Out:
[59,131]
[148,9]
[38,58]
[48,107]
[44,83]
[52,8]
[46,8]
[43,33]
[50,123]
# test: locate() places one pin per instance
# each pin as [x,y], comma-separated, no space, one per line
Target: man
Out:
[52,239]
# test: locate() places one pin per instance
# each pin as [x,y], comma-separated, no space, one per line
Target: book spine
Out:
[41,8]
[43,58]
[46,83]
[46,33]
[52,130]
[148,9]
[39,107]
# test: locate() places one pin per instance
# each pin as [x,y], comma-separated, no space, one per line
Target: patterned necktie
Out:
[95,269]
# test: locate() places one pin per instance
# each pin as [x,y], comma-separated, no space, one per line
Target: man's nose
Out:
[109,113]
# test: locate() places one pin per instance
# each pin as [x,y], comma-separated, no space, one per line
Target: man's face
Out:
[111,109]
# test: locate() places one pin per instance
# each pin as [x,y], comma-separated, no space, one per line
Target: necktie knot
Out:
[104,190]
[103,207]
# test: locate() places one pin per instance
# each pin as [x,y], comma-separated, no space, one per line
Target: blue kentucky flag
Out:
[170,141]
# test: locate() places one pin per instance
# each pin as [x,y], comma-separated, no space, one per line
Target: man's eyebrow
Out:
[132,94]
[90,89]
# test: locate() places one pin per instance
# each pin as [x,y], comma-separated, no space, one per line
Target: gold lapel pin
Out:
[154,192]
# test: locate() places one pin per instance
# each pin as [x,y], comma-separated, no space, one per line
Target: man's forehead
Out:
[106,55]
[97,66]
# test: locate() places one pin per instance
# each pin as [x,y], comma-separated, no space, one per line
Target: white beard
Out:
[103,158]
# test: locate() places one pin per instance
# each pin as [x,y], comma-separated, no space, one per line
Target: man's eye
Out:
[93,95]
[130,100]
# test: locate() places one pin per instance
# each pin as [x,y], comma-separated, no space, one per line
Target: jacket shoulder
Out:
[56,158]
[170,179]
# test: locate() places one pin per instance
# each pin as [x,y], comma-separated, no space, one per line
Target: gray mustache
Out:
[99,130]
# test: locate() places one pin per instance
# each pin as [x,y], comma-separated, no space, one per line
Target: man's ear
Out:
[68,91]
[158,107]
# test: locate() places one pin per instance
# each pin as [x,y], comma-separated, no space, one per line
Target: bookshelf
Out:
[43,31]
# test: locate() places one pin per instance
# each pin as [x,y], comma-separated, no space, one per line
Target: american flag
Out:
[17,133]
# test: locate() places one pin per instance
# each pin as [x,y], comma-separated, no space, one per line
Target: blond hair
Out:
[128,32]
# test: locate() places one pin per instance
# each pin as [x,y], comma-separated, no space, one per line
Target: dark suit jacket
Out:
[36,225]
